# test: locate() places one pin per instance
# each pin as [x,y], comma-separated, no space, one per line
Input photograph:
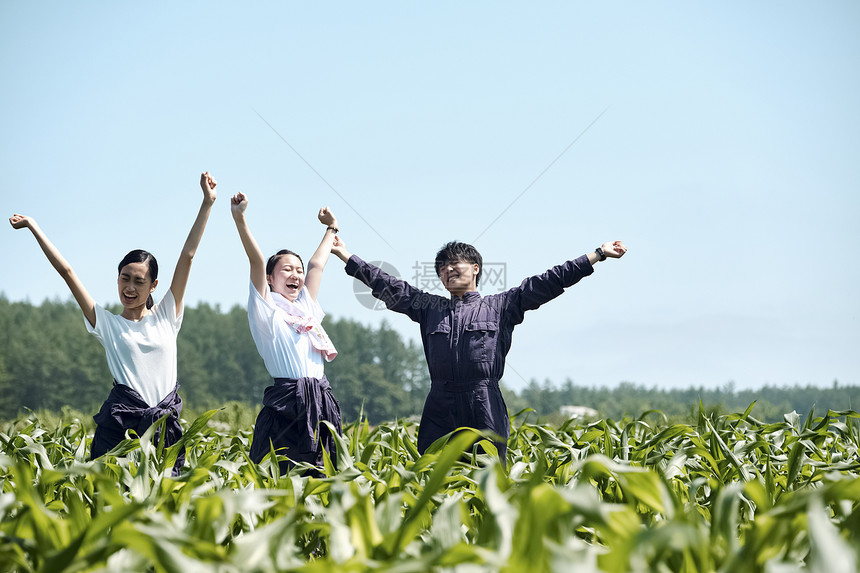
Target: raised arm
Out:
[238,204]
[83,298]
[313,277]
[183,265]
[535,291]
[398,295]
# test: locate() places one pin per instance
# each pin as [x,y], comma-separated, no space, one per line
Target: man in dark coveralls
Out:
[467,336]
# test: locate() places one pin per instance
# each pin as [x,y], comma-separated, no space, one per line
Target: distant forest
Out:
[48,361]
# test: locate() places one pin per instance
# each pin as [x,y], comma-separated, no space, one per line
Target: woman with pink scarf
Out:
[285,321]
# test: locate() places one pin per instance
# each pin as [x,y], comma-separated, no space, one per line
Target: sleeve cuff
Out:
[352,265]
[585,263]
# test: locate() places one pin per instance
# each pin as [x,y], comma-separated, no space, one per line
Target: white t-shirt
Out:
[286,353]
[142,354]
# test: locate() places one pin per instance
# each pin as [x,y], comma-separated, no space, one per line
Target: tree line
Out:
[48,361]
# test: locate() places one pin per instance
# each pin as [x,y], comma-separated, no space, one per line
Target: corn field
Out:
[725,493]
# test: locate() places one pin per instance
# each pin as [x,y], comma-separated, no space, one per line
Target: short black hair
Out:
[457,251]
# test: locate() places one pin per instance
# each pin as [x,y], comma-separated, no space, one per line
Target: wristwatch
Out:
[600,254]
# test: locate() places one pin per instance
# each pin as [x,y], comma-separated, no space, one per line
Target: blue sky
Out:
[724,153]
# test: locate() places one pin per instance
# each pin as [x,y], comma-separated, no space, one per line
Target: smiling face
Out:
[458,266]
[287,277]
[459,277]
[135,285]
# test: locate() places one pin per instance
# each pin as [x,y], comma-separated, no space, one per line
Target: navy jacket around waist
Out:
[125,409]
[467,340]
[305,402]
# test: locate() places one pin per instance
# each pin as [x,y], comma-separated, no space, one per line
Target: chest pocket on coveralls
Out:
[439,344]
[481,337]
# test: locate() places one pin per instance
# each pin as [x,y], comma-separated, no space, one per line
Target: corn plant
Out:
[723,493]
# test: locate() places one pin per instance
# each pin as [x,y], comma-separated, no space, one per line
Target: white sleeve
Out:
[260,313]
[166,310]
[101,323]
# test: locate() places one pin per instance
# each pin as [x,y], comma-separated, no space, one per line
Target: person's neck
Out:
[135,314]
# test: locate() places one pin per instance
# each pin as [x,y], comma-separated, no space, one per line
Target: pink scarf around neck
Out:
[302,322]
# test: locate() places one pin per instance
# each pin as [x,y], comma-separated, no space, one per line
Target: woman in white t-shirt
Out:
[140,342]
[285,322]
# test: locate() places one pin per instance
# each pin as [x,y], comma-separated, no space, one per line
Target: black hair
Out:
[141,256]
[457,251]
[273,260]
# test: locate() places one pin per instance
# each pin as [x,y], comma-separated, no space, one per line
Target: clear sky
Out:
[725,153]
